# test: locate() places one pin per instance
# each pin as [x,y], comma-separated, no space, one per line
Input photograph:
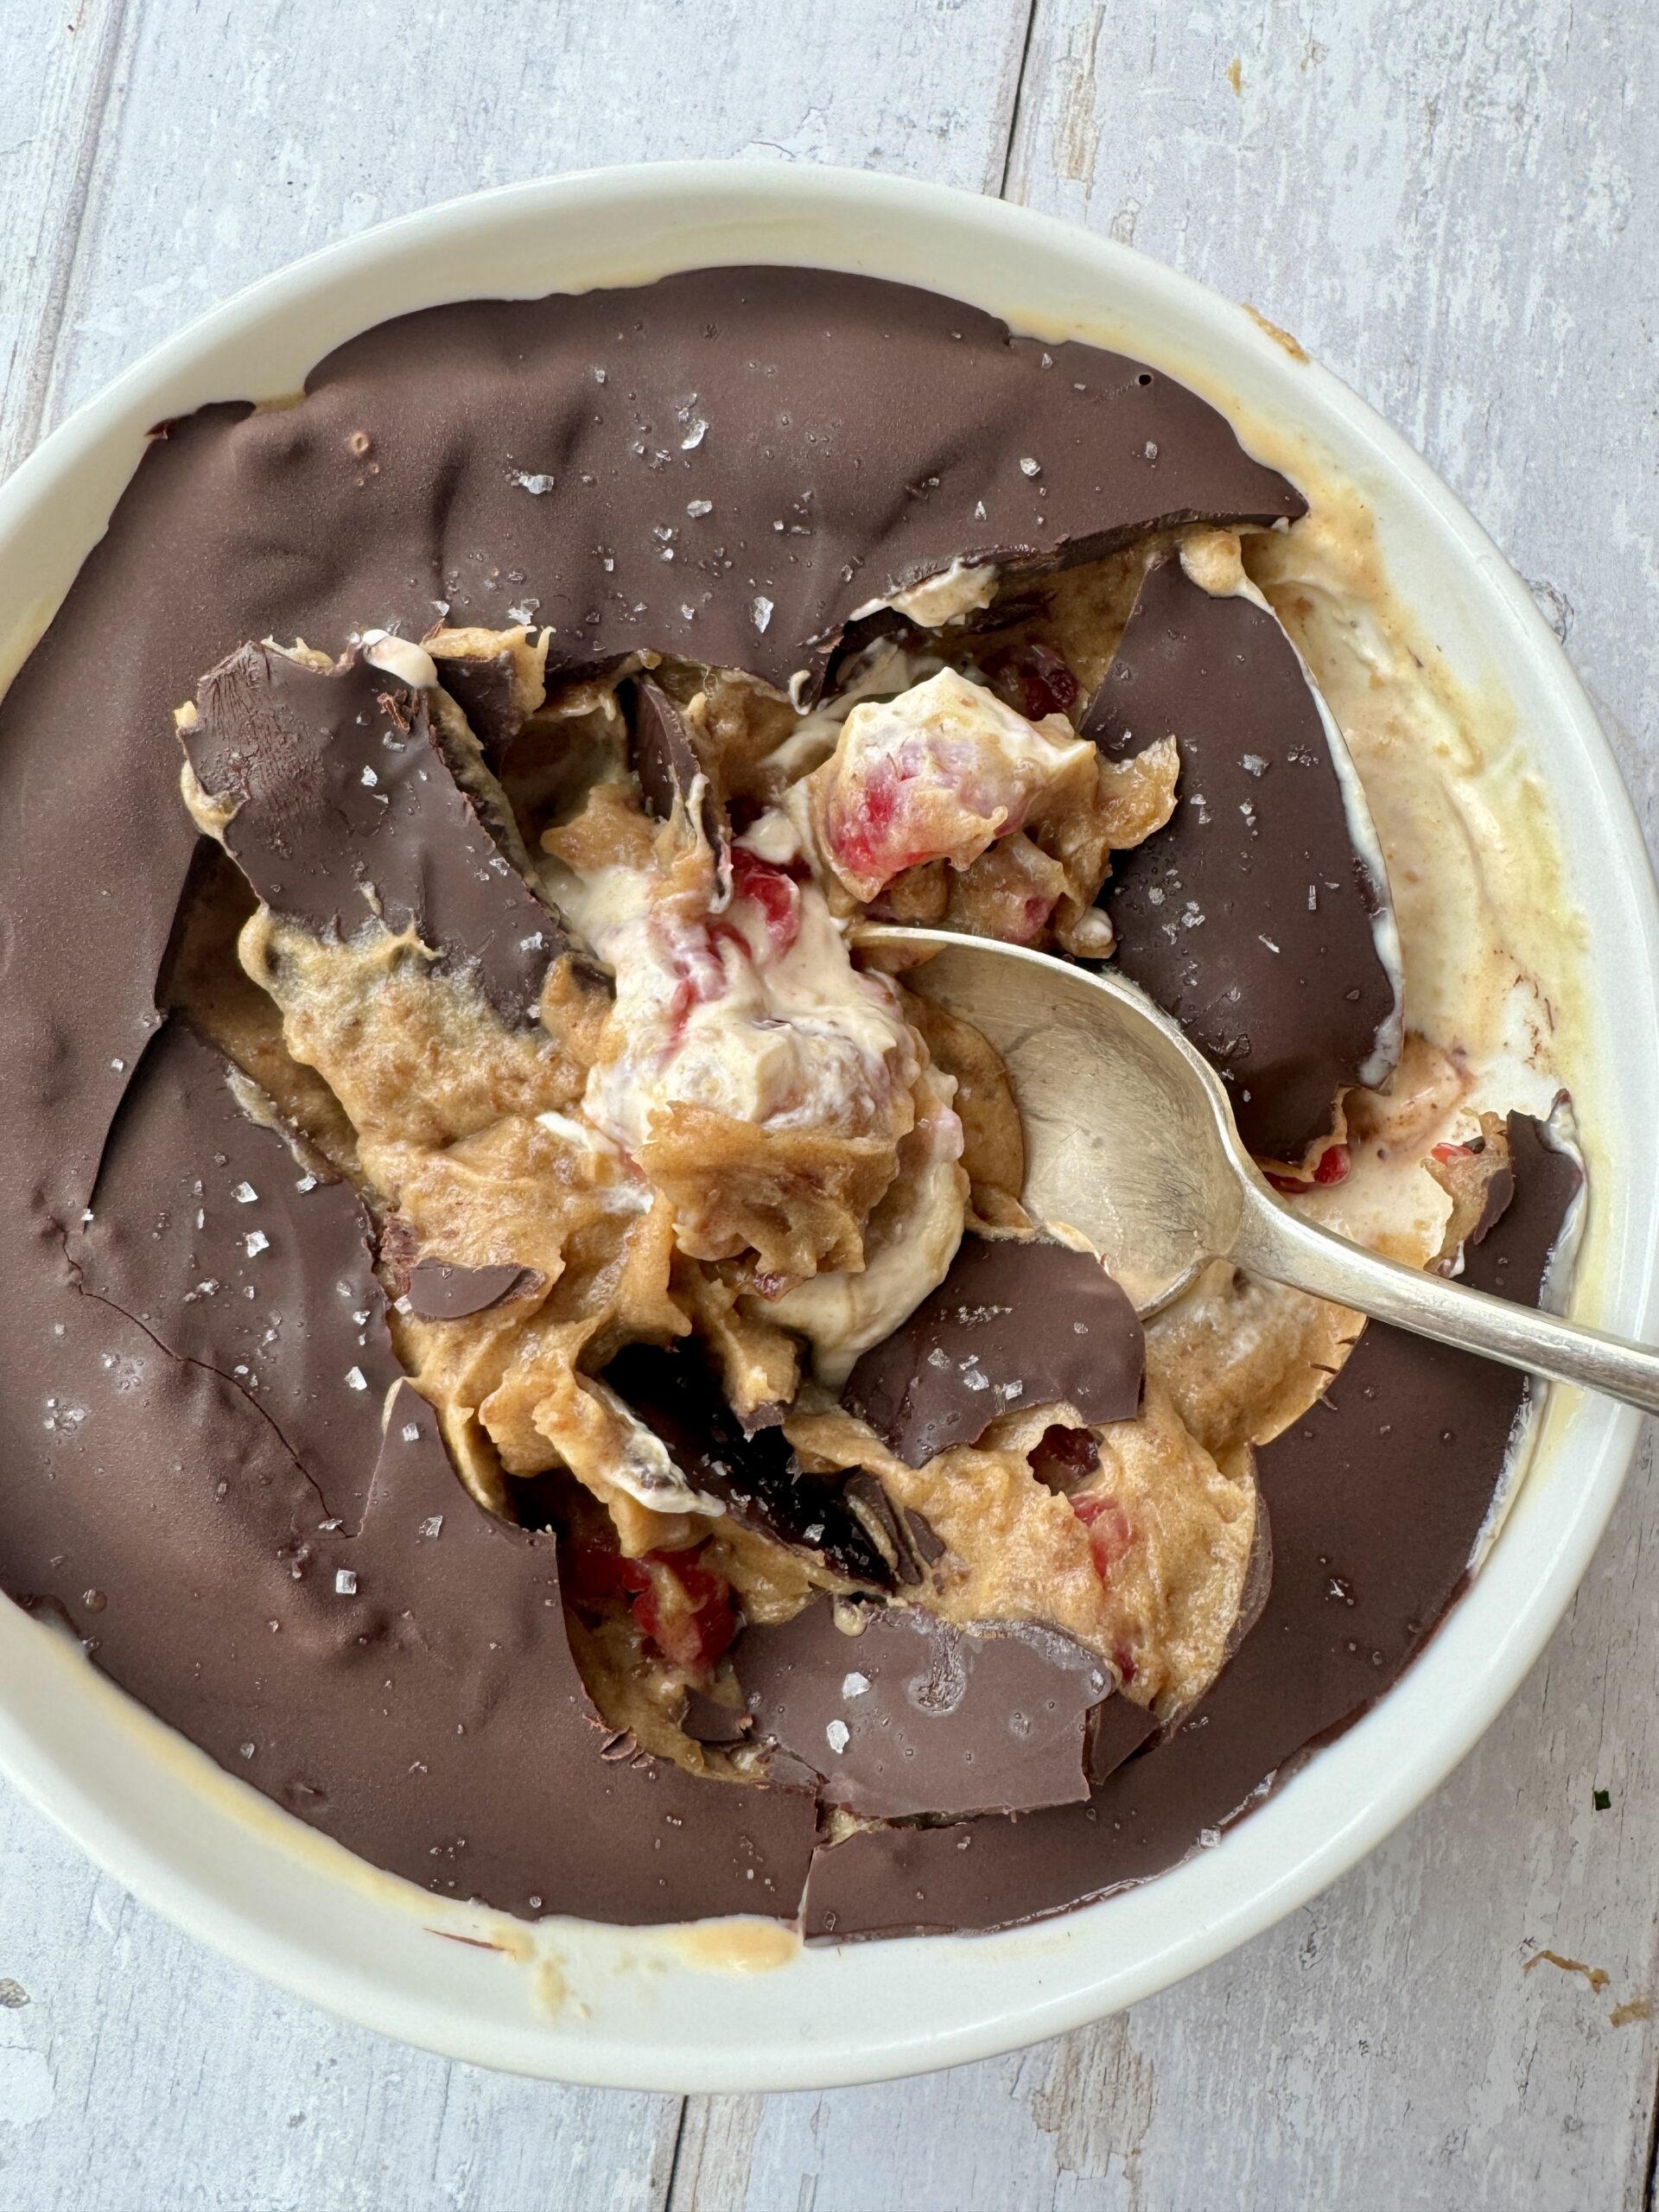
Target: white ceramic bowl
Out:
[667,2012]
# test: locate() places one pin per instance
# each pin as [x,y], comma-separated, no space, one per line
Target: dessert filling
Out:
[703,1173]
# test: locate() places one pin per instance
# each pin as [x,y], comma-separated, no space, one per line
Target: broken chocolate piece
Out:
[709,1720]
[485,687]
[1117,1729]
[728,407]
[345,810]
[916,1715]
[892,1533]
[757,1476]
[928,1545]
[1253,917]
[663,756]
[442,1290]
[1018,1322]
[207,1230]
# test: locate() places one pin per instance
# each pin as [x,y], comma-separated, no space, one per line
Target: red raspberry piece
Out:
[686,1611]
[1111,1532]
[777,896]
[681,1606]
[1333,1165]
[865,837]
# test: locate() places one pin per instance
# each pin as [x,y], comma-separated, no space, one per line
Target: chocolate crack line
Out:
[76,1282]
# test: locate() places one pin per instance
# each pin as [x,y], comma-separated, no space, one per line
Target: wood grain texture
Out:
[236,139]
[54,89]
[139,2073]
[1454,207]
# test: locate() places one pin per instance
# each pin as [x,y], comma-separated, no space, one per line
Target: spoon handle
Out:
[1272,1242]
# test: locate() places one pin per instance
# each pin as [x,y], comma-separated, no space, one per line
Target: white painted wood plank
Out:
[58,68]
[247,136]
[138,2073]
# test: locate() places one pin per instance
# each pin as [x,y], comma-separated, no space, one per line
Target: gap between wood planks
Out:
[108,31]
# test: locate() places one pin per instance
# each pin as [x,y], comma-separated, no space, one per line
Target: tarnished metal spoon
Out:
[1130,1141]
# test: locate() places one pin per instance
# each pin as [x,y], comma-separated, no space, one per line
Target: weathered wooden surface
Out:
[1454,207]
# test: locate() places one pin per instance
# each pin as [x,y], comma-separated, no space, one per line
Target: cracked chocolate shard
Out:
[709,1721]
[342,809]
[495,676]
[916,1715]
[1117,1729]
[663,755]
[1259,916]
[442,1290]
[757,1476]
[1017,1323]
[207,1232]
[486,689]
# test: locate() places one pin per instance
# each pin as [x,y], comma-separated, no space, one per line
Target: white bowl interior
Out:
[695,2012]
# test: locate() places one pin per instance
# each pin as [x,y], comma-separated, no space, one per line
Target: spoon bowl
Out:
[1129,1139]
[1130,1142]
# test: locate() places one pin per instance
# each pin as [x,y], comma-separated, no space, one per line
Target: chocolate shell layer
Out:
[1377,1497]
[889,431]
[407,1687]
[442,1290]
[1252,917]
[346,811]
[757,1477]
[207,1231]
[917,1716]
[1018,1322]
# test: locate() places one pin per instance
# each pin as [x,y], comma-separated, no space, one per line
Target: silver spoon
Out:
[1130,1140]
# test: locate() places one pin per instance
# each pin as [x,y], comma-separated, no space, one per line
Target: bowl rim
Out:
[818,2024]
